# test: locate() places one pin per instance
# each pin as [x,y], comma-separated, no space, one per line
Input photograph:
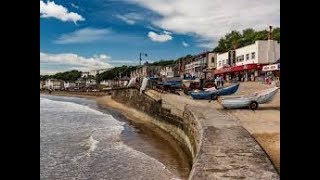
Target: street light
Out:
[144,54]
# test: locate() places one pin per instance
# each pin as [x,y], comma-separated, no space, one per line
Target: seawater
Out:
[81,140]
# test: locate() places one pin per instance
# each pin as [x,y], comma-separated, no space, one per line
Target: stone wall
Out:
[183,131]
[218,148]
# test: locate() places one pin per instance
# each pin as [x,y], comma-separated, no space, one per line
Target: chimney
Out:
[270,50]
[270,33]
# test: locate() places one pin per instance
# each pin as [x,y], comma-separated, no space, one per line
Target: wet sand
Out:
[142,136]
[160,144]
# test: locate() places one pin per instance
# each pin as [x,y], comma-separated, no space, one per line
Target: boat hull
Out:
[244,101]
[219,92]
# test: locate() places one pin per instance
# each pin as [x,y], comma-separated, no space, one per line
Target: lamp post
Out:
[269,44]
[144,54]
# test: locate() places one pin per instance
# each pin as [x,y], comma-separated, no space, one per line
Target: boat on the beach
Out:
[252,101]
[215,93]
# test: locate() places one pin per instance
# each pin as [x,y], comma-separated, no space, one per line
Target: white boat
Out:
[144,84]
[251,101]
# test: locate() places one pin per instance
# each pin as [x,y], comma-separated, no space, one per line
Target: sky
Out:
[97,34]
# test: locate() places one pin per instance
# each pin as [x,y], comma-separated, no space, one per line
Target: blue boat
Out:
[214,94]
[174,84]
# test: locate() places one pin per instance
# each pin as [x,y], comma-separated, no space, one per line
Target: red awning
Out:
[238,68]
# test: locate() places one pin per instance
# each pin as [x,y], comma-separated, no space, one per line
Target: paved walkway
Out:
[228,151]
[263,124]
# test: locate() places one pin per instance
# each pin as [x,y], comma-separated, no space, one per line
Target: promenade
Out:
[262,124]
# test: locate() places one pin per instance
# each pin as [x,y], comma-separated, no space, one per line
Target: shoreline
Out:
[142,122]
[198,156]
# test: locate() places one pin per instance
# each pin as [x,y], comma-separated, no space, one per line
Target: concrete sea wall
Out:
[218,148]
[183,131]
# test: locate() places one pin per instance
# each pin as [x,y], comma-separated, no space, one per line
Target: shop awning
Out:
[272,67]
[238,68]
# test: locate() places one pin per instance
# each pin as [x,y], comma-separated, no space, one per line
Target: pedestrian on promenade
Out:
[222,81]
[218,81]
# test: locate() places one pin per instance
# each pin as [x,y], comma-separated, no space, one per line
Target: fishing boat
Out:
[252,101]
[215,93]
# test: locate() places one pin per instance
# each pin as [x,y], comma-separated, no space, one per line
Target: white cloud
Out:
[50,9]
[209,45]
[68,61]
[152,28]
[75,6]
[185,44]
[84,35]
[48,72]
[167,32]
[130,18]
[159,37]
[210,20]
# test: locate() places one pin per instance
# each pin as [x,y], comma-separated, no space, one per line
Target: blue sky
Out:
[93,34]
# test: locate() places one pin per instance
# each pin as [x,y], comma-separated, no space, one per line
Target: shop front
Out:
[248,72]
[272,71]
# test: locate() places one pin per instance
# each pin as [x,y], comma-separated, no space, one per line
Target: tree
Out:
[162,63]
[276,34]
[261,35]
[65,76]
[248,36]
[115,72]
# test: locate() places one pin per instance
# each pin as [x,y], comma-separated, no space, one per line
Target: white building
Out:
[206,60]
[80,82]
[90,82]
[84,74]
[248,60]
[261,52]
[195,68]
[42,84]
[54,84]
[69,84]
[167,71]
[106,82]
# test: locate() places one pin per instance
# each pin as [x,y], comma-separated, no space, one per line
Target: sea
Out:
[80,139]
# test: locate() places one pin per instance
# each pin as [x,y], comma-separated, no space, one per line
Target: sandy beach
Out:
[263,124]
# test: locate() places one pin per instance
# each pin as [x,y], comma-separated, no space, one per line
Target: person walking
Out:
[218,81]
[222,81]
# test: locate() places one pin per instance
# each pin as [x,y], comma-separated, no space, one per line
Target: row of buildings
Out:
[85,81]
[56,84]
[245,62]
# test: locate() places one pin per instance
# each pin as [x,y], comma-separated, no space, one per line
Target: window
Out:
[219,63]
[222,62]
[253,55]
[247,57]
[212,59]
[242,57]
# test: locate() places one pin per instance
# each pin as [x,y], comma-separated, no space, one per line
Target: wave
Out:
[86,137]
